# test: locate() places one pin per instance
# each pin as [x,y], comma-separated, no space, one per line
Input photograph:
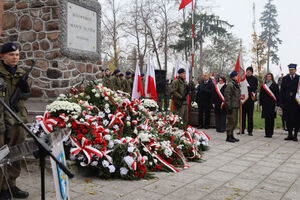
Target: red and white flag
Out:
[137,90]
[187,72]
[150,86]
[239,67]
[184,3]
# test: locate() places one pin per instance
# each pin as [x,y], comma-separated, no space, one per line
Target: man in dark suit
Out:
[288,103]
[203,99]
[248,106]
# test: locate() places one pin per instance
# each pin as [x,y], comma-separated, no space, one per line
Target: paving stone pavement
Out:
[256,168]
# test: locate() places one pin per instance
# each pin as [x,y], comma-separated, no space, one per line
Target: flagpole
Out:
[239,81]
[193,43]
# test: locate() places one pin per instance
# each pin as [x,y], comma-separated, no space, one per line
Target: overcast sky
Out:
[240,14]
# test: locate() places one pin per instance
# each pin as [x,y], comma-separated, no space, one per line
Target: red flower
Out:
[159,167]
[74,125]
[97,140]
[135,174]
[84,130]
[80,136]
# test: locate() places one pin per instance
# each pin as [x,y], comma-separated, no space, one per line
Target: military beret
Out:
[181,70]
[250,68]
[128,72]
[142,75]
[8,47]
[294,66]
[121,74]
[116,71]
[233,74]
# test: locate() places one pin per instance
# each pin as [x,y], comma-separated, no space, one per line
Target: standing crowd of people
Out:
[224,98]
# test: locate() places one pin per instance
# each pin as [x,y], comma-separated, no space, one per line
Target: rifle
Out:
[19,94]
[186,92]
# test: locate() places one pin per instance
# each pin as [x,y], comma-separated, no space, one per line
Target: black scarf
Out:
[11,70]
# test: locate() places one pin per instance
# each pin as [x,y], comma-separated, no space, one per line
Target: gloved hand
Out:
[23,85]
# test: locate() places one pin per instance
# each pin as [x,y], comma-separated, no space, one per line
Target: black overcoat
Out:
[267,102]
[204,93]
[288,92]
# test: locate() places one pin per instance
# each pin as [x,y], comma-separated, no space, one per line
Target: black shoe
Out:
[230,139]
[243,132]
[288,138]
[250,134]
[199,127]
[17,193]
[206,127]
[238,133]
[268,136]
[295,139]
[5,195]
[235,139]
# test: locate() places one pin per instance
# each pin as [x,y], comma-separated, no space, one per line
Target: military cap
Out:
[250,68]
[294,66]
[181,70]
[8,47]
[233,74]
[121,74]
[142,75]
[116,71]
[128,72]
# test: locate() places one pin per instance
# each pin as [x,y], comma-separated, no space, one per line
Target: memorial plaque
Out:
[80,23]
[82,26]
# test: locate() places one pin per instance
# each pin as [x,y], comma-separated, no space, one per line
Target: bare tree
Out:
[112,28]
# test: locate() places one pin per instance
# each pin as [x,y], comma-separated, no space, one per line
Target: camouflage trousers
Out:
[232,120]
[17,134]
[181,112]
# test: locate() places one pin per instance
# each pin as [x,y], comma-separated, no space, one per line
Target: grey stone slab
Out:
[265,194]
[184,177]
[233,168]
[220,175]
[273,187]
[294,191]
[204,185]
[225,192]
[163,186]
[268,164]
[262,170]
[243,162]
[243,184]
[186,194]
[215,162]
[141,194]
[201,169]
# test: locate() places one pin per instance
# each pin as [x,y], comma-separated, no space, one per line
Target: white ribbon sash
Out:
[267,89]
[220,95]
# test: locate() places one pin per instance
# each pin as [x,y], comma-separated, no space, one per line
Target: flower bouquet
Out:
[113,137]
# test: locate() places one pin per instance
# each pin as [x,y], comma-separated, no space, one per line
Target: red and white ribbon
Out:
[270,93]
[117,118]
[88,150]
[171,167]
[47,122]
[220,95]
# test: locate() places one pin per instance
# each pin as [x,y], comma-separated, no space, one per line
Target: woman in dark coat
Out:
[268,100]
[219,104]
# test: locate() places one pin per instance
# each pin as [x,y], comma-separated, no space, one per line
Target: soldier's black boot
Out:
[235,139]
[17,193]
[296,136]
[230,138]
[290,136]
[5,195]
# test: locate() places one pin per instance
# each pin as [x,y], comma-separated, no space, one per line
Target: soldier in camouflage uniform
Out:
[107,79]
[232,95]
[12,74]
[116,81]
[178,91]
[129,82]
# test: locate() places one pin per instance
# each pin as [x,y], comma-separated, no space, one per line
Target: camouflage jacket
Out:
[177,90]
[12,81]
[232,95]
[107,82]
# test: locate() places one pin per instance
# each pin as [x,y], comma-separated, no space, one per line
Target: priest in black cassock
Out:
[288,103]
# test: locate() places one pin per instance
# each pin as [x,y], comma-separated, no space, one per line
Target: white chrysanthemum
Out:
[123,170]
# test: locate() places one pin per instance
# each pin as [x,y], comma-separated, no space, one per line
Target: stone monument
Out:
[62,36]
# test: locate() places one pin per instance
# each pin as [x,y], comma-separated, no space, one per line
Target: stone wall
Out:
[34,26]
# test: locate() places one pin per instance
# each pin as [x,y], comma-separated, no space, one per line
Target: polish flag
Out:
[239,67]
[187,72]
[137,90]
[184,3]
[150,86]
